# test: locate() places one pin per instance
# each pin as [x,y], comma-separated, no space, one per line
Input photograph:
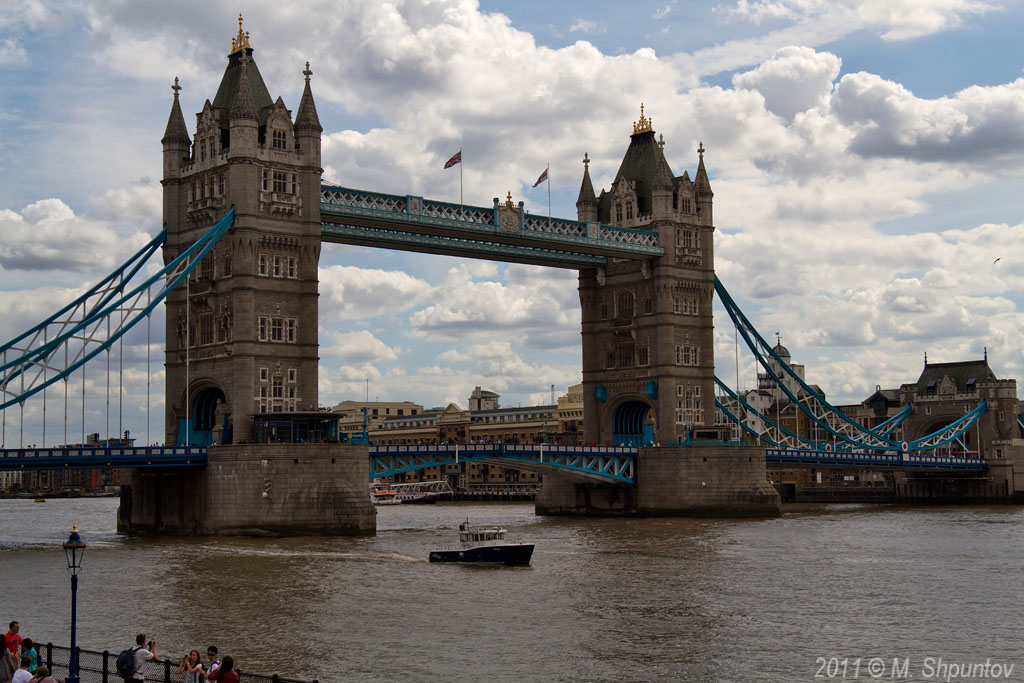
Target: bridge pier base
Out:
[255,489]
[1002,483]
[673,481]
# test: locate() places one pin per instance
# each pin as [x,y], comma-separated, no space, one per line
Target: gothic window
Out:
[687,206]
[202,150]
[277,266]
[677,305]
[642,356]
[294,184]
[262,265]
[277,387]
[206,328]
[280,141]
[604,311]
[220,184]
[226,265]
[625,305]
[265,180]
[276,329]
[293,267]
[263,328]
[687,355]
[610,361]
[626,356]
[291,375]
[618,213]
[290,331]
[648,305]
[264,374]
[280,181]
[629,211]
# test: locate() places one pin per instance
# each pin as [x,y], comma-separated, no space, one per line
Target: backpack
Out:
[126,663]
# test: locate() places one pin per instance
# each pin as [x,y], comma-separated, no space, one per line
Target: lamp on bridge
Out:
[74,548]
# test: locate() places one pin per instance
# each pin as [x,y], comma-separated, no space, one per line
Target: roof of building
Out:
[229,82]
[962,373]
[639,164]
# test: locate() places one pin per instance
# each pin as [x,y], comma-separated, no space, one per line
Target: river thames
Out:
[824,592]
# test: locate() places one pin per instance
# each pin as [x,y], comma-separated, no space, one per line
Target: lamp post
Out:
[74,548]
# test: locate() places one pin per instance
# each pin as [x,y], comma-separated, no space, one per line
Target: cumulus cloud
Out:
[356,348]
[795,79]
[350,292]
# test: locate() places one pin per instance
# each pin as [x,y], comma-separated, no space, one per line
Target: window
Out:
[626,356]
[202,150]
[280,181]
[295,184]
[642,356]
[677,305]
[604,311]
[276,330]
[280,141]
[264,374]
[618,213]
[625,305]
[291,375]
[226,263]
[687,207]
[220,184]
[293,267]
[263,328]
[629,211]
[277,387]
[687,355]
[262,265]
[277,266]
[290,330]
[648,305]
[610,362]
[206,267]
[265,187]
[206,328]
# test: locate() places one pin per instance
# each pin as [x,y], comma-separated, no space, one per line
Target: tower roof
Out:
[306,117]
[639,164]
[176,130]
[587,196]
[256,90]
[701,182]
[243,107]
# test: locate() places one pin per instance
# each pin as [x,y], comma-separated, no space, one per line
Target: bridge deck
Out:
[905,461]
[415,224]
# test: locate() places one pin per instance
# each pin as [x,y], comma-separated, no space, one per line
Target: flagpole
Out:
[461,203]
[547,170]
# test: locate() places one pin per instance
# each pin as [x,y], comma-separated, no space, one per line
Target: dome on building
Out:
[781,351]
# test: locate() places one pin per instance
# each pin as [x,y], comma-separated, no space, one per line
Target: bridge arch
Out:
[939,421]
[631,421]
[206,424]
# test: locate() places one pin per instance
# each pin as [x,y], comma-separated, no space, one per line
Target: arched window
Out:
[624,305]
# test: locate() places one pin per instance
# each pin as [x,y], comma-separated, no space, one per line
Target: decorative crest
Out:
[242,41]
[508,201]
[644,125]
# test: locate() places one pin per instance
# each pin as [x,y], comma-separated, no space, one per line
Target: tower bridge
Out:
[246,217]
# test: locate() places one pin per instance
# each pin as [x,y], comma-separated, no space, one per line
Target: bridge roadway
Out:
[502,232]
[599,463]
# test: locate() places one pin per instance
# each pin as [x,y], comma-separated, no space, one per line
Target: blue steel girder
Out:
[601,463]
[886,460]
[502,233]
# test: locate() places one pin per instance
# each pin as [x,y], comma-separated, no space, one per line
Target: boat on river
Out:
[382,493]
[484,544]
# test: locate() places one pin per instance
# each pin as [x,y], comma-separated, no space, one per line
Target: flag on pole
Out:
[456,159]
[542,178]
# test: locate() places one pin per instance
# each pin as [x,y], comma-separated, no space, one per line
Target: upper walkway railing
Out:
[501,232]
[88,457]
[908,461]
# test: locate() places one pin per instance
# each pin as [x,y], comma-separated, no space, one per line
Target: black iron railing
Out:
[101,667]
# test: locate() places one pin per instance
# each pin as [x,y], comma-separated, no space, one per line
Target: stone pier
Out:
[266,489]
[673,481]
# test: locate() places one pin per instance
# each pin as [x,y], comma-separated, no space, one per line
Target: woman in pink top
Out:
[226,672]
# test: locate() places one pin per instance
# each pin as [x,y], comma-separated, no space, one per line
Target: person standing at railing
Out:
[192,667]
[22,675]
[43,676]
[225,673]
[28,649]
[12,639]
[8,665]
[142,653]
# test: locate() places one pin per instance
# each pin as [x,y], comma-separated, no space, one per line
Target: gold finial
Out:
[508,202]
[242,41]
[74,528]
[644,124]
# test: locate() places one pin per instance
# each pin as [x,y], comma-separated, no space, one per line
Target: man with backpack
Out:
[131,661]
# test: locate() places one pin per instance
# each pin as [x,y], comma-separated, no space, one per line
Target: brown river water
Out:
[822,593]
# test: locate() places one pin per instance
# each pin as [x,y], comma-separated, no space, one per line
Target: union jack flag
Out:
[456,159]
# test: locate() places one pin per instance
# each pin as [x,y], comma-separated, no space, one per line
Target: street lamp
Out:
[74,548]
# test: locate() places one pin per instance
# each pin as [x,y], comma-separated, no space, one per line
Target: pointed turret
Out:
[176,141]
[243,106]
[307,126]
[586,204]
[662,186]
[306,117]
[702,188]
[242,117]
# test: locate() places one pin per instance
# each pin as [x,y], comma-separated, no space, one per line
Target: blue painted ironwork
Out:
[418,224]
[607,463]
[84,320]
[841,426]
[89,457]
[888,460]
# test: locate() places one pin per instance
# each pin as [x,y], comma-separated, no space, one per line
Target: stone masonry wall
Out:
[270,489]
[713,481]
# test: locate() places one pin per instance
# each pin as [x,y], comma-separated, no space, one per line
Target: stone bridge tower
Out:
[247,341]
[648,363]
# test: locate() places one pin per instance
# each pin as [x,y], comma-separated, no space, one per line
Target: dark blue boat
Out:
[484,544]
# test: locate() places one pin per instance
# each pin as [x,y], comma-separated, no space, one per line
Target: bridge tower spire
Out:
[648,361]
[246,337]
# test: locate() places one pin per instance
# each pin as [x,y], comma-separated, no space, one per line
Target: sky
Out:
[865,157]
